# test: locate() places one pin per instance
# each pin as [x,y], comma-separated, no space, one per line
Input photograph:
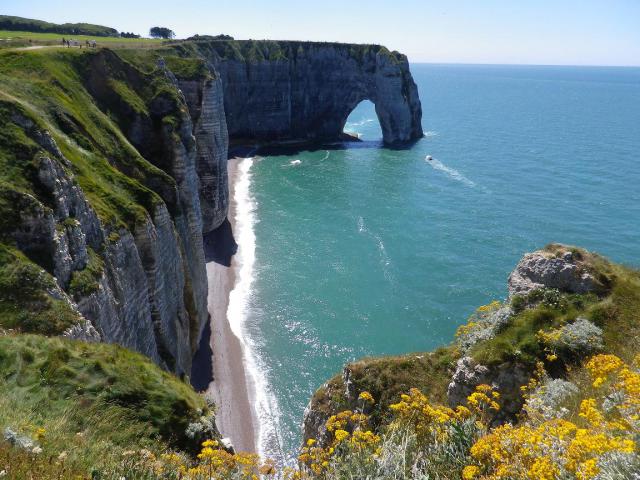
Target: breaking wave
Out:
[264,402]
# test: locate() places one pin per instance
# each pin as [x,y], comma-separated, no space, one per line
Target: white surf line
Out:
[450,172]
[430,133]
[360,123]
[326,155]
[265,406]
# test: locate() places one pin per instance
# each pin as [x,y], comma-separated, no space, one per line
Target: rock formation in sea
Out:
[304,91]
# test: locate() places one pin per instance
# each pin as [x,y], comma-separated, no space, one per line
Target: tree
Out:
[161,32]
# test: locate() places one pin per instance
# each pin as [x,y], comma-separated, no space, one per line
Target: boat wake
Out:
[264,402]
[450,172]
[326,155]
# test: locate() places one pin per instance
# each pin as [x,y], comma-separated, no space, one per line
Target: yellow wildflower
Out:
[470,472]
[367,397]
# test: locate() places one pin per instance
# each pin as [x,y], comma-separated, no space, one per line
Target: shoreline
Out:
[232,389]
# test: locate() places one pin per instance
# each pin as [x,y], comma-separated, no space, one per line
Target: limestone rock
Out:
[206,106]
[83,331]
[506,378]
[307,91]
[541,269]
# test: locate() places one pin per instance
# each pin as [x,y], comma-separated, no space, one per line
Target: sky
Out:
[549,32]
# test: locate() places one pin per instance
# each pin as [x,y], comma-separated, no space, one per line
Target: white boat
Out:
[429,158]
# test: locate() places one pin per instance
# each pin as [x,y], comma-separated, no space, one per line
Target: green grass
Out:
[18,39]
[49,87]
[25,305]
[386,378]
[85,282]
[48,376]
[616,311]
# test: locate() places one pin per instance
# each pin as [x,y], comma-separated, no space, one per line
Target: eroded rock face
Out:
[543,270]
[307,91]
[506,378]
[206,106]
[152,290]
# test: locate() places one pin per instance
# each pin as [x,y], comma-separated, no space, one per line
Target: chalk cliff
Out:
[304,91]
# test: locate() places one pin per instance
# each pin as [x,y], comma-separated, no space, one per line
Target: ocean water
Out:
[370,251]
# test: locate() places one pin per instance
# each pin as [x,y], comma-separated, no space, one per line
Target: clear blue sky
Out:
[576,32]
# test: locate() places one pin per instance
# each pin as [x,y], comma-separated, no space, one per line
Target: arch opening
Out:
[363,122]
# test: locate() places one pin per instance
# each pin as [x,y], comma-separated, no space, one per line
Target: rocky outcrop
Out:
[561,269]
[304,91]
[506,378]
[206,106]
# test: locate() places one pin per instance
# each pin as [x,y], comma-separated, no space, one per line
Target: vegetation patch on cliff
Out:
[87,396]
[386,378]
[26,302]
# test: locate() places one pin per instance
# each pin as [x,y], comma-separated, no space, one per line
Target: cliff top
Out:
[261,50]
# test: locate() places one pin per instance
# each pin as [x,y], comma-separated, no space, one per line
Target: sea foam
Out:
[265,404]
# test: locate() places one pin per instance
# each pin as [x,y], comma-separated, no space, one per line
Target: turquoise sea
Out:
[370,251]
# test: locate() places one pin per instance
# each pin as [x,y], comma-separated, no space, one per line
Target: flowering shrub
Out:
[429,441]
[602,439]
[579,337]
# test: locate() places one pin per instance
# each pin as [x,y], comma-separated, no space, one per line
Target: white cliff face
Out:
[149,289]
[206,105]
[120,308]
[307,91]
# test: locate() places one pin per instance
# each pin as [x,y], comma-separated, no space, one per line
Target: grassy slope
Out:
[386,378]
[119,399]
[17,39]
[114,398]
[616,311]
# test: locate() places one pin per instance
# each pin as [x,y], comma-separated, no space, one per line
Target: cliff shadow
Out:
[289,150]
[202,364]
[220,245]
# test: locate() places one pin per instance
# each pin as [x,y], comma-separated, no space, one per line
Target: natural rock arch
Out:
[304,91]
[359,120]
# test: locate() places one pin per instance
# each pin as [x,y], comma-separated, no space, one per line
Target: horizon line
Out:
[487,64]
